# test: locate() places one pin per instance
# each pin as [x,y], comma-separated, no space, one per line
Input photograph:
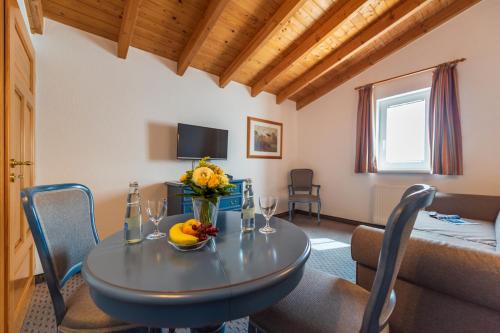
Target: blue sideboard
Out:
[178,204]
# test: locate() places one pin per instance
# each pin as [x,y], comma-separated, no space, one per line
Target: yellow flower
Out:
[223,179]
[202,175]
[218,170]
[183,178]
[213,182]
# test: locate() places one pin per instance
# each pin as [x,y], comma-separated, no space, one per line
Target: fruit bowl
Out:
[191,247]
[186,236]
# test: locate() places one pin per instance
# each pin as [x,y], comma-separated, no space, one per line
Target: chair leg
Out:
[319,212]
[310,209]
[290,211]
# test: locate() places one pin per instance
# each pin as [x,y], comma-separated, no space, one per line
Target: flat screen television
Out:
[196,142]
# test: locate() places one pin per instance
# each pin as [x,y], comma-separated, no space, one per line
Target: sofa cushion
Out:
[479,234]
[477,207]
[463,272]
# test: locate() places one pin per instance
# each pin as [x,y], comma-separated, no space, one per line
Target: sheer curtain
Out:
[445,134]
[365,146]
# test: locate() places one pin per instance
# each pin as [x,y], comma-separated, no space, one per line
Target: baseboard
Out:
[339,219]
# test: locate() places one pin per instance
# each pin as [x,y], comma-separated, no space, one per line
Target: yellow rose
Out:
[219,171]
[183,178]
[223,180]
[202,175]
[213,182]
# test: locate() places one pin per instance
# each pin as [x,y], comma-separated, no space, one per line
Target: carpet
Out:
[40,316]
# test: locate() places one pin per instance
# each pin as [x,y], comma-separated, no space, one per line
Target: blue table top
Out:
[234,264]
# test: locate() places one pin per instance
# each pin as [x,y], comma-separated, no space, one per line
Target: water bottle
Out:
[248,208]
[133,218]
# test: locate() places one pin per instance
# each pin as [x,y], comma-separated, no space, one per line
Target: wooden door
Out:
[19,123]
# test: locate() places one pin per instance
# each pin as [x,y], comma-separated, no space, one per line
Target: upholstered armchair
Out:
[301,191]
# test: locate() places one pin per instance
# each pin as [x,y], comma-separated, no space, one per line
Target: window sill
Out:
[405,172]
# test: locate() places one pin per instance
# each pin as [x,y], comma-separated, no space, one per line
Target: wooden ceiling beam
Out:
[200,33]
[404,39]
[372,31]
[287,9]
[34,10]
[312,37]
[129,19]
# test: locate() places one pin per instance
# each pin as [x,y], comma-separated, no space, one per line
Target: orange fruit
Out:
[187,227]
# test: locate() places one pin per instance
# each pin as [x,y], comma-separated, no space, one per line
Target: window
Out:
[403,132]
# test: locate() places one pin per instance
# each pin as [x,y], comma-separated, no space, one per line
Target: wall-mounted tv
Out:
[196,142]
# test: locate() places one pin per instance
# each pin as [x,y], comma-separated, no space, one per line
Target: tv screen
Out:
[196,142]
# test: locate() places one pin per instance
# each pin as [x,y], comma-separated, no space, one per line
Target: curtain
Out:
[445,134]
[365,148]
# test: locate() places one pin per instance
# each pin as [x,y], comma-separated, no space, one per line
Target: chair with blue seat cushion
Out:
[301,191]
[323,303]
[61,218]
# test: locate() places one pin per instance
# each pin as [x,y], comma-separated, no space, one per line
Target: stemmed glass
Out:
[268,207]
[156,210]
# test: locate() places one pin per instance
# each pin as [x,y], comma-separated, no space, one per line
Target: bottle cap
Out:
[133,184]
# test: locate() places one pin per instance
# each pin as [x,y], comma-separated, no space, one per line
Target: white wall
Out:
[328,126]
[103,121]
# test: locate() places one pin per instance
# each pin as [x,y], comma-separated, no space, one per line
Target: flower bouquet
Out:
[208,183]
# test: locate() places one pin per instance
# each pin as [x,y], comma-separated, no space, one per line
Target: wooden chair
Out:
[323,303]
[302,181]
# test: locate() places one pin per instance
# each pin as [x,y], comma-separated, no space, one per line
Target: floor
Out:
[331,253]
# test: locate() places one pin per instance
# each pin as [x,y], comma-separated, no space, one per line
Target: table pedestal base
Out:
[221,328]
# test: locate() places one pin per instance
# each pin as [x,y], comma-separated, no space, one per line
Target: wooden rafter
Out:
[376,28]
[312,37]
[200,33]
[407,37]
[287,8]
[127,27]
[34,10]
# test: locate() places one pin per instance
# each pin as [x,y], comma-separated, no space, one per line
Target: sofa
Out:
[449,280]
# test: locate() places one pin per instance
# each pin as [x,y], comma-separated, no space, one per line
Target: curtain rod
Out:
[410,74]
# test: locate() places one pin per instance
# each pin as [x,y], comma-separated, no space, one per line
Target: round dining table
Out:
[234,275]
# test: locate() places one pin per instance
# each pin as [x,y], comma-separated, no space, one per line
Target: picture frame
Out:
[264,138]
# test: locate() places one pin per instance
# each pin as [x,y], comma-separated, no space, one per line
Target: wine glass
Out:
[268,207]
[156,210]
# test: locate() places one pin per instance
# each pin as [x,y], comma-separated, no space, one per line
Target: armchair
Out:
[301,181]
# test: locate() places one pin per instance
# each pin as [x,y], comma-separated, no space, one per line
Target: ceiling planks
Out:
[34,10]
[284,12]
[199,35]
[295,49]
[388,19]
[410,35]
[127,26]
[314,35]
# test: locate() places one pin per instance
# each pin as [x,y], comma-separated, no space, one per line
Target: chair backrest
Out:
[61,218]
[301,179]
[396,237]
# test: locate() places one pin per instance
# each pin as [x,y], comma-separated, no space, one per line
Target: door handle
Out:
[13,163]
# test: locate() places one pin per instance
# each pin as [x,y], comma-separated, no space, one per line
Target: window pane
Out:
[405,136]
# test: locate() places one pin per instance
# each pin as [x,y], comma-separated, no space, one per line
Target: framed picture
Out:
[264,138]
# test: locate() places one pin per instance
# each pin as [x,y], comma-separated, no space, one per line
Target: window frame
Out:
[382,104]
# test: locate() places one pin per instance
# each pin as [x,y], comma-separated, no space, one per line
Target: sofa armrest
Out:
[465,273]
[476,207]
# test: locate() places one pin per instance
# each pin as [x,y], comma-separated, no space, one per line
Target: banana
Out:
[178,237]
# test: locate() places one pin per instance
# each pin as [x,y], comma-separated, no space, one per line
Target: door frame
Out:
[3,175]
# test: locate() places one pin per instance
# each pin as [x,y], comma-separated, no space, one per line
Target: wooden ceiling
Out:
[296,49]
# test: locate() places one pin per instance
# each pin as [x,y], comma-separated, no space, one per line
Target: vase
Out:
[206,210]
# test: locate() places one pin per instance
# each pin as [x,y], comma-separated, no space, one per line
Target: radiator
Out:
[386,197]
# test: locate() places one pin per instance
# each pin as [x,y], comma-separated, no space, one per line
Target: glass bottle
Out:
[132,226]
[248,208]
